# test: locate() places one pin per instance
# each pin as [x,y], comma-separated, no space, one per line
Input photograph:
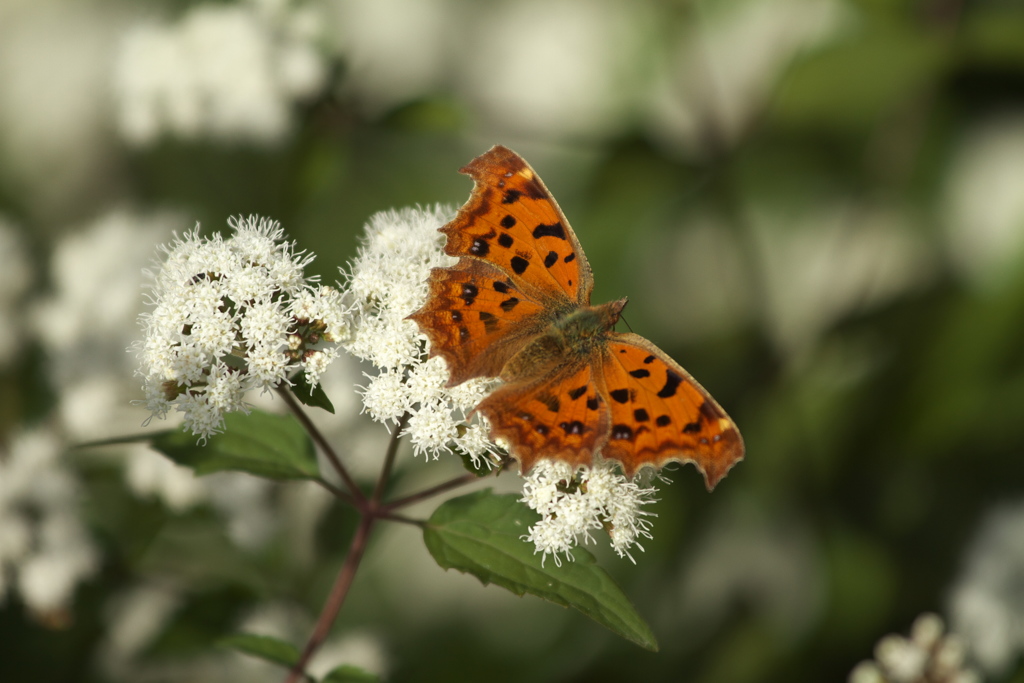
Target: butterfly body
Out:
[517,306]
[571,339]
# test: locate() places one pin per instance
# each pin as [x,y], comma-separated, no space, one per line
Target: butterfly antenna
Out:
[623,319]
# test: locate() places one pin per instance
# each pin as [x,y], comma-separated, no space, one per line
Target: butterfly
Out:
[516,306]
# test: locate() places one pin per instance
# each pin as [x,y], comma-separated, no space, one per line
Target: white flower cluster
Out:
[572,504]
[927,656]
[388,282]
[231,315]
[987,601]
[225,71]
[44,549]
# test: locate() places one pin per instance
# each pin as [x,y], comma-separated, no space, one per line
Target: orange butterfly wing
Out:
[660,414]
[520,266]
[561,416]
[516,305]
[476,319]
[513,222]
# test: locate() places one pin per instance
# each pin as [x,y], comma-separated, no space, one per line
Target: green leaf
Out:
[480,534]
[264,647]
[271,446]
[314,397]
[479,468]
[350,674]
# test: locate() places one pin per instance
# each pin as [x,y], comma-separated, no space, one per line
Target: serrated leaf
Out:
[271,446]
[480,534]
[264,647]
[350,674]
[314,397]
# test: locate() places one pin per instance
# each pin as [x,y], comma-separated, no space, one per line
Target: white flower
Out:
[44,548]
[229,72]
[572,503]
[387,282]
[987,601]
[927,656]
[232,315]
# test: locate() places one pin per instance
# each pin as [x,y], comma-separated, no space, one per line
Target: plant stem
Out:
[323,444]
[454,483]
[432,491]
[336,598]
[389,458]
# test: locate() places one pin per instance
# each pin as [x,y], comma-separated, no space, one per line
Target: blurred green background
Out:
[816,206]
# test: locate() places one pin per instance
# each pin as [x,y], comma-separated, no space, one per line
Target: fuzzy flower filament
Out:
[230,315]
[387,282]
[573,503]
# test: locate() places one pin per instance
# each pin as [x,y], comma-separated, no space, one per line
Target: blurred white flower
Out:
[175,485]
[726,64]
[134,618]
[359,649]
[927,656]
[394,50]
[54,103]
[987,600]
[572,503]
[228,317]
[45,551]
[573,67]
[15,277]
[984,198]
[245,503]
[820,267]
[387,282]
[226,72]
[758,557]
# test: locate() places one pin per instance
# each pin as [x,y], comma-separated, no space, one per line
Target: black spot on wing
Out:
[480,247]
[550,259]
[663,421]
[508,304]
[593,402]
[490,322]
[620,395]
[621,432]
[519,264]
[554,230]
[534,190]
[456,316]
[577,392]
[640,373]
[505,240]
[569,258]
[649,359]
[511,196]
[572,428]
[463,333]
[691,427]
[541,429]
[550,402]
[501,287]
[508,222]
[469,292]
[710,411]
[640,415]
[672,382]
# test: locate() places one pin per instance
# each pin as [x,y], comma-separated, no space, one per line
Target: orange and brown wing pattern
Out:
[512,221]
[476,319]
[659,413]
[563,418]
